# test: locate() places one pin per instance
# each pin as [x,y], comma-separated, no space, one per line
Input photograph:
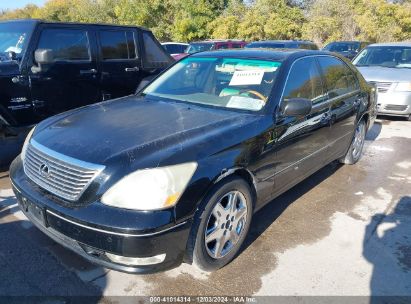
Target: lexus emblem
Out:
[44,170]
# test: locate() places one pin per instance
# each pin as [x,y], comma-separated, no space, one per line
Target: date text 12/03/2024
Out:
[203,299]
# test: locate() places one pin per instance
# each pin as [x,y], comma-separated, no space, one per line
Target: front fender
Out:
[211,171]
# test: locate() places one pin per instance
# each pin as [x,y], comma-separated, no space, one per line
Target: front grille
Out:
[391,107]
[61,175]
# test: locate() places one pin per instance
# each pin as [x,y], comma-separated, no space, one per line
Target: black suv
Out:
[47,68]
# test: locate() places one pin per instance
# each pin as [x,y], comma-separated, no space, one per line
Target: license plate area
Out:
[33,210]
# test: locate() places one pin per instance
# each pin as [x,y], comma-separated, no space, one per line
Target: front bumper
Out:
[98,243]
[394,103]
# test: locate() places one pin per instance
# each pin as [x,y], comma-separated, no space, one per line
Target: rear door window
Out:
[154,54]
[117,44]
[67,44]
[339,79]
[304,81]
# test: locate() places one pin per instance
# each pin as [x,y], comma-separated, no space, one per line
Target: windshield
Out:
[386,56]
[266,45]
[14,38]
[222,82]
[199,47]
[343,47]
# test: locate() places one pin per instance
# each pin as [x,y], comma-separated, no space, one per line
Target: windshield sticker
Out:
[246,103]
[14,49]
[249,77]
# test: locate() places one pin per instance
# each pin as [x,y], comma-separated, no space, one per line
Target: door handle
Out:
[357,102]
[38,103]
[325,118]
[88,72]
[135,69]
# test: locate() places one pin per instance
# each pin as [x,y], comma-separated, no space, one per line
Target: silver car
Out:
[388,67]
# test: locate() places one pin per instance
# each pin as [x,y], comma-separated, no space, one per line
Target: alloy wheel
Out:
[359,138]
[225,224]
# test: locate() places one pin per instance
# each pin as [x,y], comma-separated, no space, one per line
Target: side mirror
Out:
[43,58]
[297,107]
[12,55]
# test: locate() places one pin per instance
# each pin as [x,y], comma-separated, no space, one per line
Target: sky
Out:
[12,4]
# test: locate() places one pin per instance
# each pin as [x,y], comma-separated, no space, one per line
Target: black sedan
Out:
[175,173]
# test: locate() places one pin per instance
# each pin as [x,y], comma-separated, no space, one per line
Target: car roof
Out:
[217,41]
[282,41]
[38,21]
[260,53]
[347,41]
[178,43]
[21,21]
[403,43]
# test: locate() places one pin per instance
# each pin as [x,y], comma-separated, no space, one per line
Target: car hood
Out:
[139,131]
[383,74]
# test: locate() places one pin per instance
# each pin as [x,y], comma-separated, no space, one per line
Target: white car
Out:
[388,67]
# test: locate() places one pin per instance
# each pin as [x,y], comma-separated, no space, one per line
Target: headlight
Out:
[150,189]
[26,143]
[403,87]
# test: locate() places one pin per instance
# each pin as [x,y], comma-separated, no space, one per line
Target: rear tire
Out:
[221,224]
[355,150]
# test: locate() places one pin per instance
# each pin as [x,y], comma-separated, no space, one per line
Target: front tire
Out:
[221,224]
[355,150]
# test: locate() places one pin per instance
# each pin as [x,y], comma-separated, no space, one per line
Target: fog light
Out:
[136,261]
